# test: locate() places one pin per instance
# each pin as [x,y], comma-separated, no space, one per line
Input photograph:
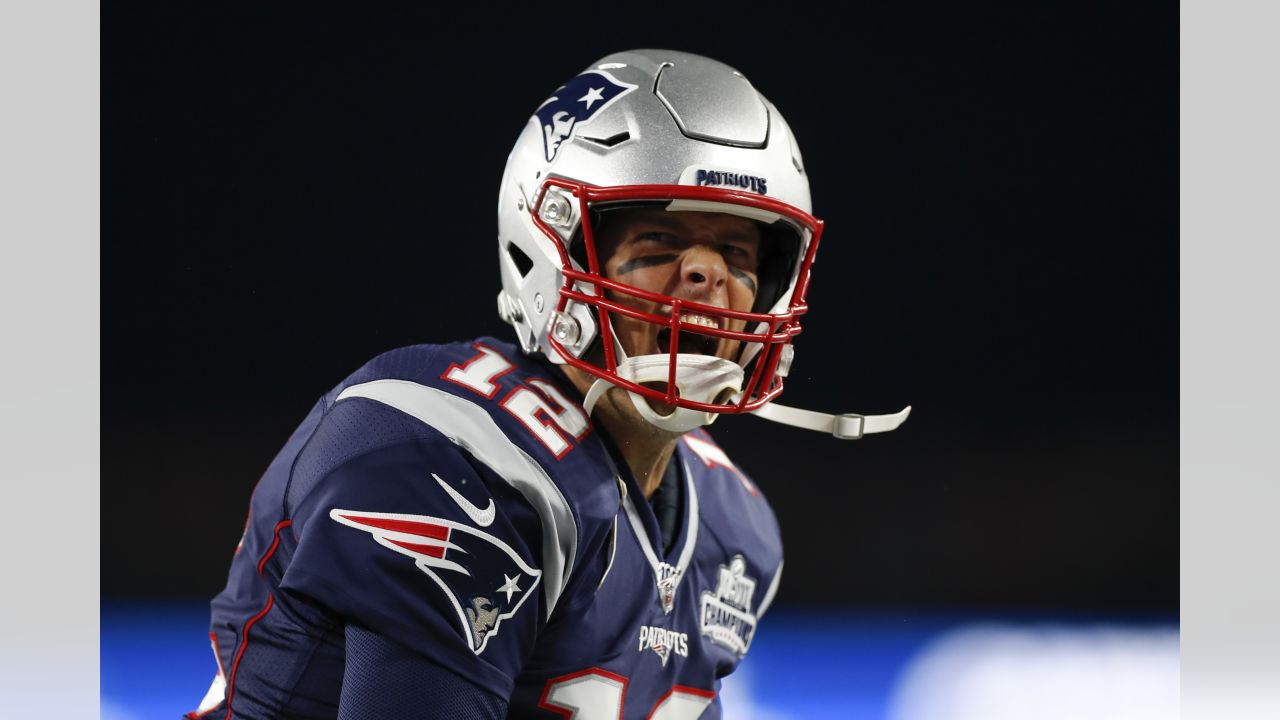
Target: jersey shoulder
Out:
[422,479]
[732,505]
[527,400]
[720,477]
[515,414]
[429,363]
[413,426]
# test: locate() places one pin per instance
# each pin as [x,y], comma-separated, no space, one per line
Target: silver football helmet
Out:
[675,132]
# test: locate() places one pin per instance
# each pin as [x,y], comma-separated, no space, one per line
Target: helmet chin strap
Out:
[704,378]
[848,426]
[701,378]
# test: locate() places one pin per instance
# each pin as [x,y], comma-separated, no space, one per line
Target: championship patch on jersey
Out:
[484,579]
[575,103]
[726,615]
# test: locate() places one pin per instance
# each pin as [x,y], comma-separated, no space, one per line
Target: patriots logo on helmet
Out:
[575,103]
[484,579]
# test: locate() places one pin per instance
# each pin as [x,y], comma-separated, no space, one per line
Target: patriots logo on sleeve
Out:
[574,104]
[484,579]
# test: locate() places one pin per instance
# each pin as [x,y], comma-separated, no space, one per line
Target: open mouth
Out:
[691,342]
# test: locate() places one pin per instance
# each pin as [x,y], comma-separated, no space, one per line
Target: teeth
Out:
[702,320]
[693,341]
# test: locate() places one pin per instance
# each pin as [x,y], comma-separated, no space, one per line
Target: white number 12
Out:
[597,694]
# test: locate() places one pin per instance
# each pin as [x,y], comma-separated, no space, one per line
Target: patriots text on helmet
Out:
[719,178]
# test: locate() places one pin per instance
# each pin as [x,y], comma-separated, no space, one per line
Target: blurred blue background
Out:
[804,663]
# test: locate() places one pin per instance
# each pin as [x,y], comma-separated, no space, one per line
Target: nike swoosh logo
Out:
[483,518]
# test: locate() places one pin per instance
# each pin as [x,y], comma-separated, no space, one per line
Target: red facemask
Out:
[767,330]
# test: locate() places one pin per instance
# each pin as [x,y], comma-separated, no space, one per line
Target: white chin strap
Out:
[701,378]
[849,426]
[704,378]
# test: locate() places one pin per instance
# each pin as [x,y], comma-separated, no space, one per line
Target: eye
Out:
[738,256]
[655,236]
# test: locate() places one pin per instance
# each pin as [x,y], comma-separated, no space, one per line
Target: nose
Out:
[703,273]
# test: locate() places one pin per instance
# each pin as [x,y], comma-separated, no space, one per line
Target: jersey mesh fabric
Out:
[351,428]
[283,686]
[386,680]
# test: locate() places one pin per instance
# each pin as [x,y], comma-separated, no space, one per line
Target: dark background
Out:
[286,196]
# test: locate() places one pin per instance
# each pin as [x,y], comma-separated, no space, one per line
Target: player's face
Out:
[708,257]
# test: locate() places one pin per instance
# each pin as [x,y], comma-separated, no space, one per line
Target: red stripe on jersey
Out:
[275,544]
[235,665]
[436,551]
[436,532]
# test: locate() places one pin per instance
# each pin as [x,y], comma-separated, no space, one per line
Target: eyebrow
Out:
[666,221]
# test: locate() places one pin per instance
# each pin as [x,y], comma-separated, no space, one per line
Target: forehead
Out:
[622,222]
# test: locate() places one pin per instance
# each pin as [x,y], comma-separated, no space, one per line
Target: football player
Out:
[484,530]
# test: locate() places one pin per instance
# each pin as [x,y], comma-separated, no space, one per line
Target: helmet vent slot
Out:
[710,102]
[610,141]
[522,262]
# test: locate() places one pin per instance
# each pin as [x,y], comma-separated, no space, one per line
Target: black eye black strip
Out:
[744,277]
[644,262]
[634,264]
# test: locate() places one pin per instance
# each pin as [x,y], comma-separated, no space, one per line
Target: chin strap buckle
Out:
[848,426]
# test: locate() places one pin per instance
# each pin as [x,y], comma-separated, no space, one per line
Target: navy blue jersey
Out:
[447,521]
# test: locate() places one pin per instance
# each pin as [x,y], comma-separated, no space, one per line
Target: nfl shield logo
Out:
[668,580]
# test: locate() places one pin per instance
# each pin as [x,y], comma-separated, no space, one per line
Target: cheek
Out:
[656,279]
[740,297]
